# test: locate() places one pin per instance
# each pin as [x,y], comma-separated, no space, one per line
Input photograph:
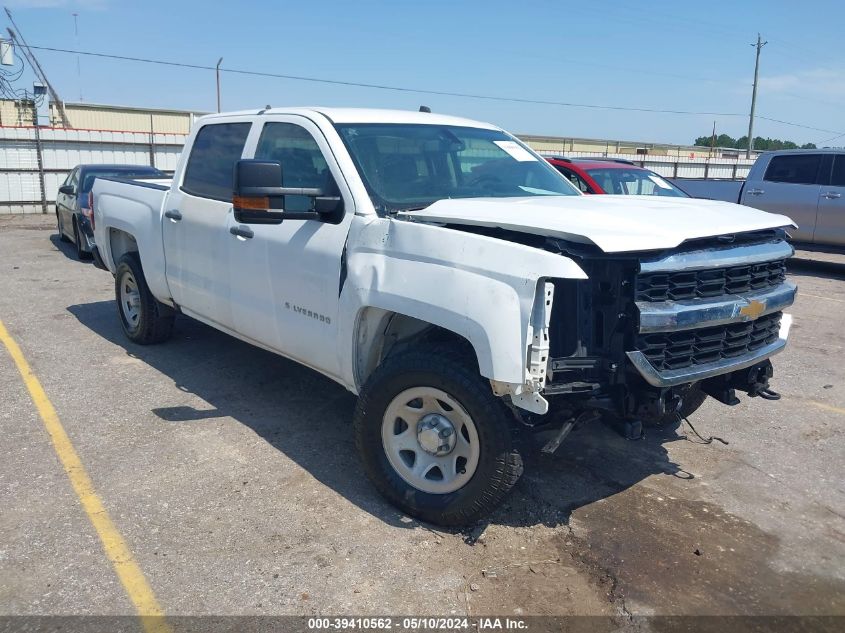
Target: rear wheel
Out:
[434,439]
[145,320]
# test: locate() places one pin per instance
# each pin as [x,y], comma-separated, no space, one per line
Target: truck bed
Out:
[133,206]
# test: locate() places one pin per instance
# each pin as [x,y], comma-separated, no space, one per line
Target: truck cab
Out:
[807,184]
[453,279]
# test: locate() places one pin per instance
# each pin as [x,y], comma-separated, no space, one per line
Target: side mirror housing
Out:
[259,197]
[67,190]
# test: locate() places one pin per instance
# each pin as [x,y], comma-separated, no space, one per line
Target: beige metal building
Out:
[94,116]
[35,160]
[605,147]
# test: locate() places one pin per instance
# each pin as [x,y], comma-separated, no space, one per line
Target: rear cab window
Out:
[211,165]
[798,169]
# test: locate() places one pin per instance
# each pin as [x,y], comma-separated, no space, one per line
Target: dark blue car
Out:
[74,215]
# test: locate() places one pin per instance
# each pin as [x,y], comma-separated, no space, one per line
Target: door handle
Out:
[830,195]
[241,231]
[756,192]
[173,214]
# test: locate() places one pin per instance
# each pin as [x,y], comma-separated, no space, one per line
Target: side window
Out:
[798,168]
[574,178]
[73,177]
[303,164]
[837,177]
[211,165]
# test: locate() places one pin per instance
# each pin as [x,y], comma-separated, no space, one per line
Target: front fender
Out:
[478,287]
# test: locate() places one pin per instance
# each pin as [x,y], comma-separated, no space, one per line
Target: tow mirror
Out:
[259,197]
[67,190]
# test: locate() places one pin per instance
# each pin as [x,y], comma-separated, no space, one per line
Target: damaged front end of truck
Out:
[646,336]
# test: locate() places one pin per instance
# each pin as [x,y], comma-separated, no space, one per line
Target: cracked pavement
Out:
[231,474]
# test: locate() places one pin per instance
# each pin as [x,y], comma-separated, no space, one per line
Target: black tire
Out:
[692,401]
[499,464]
[154,320]
[81,254]
[62,236]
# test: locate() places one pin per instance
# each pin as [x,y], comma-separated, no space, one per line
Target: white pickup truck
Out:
[445,273]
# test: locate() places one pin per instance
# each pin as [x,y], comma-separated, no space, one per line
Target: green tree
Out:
[760,143]
[723,140]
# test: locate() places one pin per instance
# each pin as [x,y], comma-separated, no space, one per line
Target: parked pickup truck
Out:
[807,184]
[449,276]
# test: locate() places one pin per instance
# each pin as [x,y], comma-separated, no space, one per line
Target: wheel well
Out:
[120,243]
[382,333]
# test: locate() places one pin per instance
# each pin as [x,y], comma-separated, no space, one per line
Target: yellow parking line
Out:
[130,574]
[827,407]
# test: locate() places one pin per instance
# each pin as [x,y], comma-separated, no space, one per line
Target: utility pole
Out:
[217,70]
[78,62]
[39,155]
[760,44]
[713,141]
[17,39]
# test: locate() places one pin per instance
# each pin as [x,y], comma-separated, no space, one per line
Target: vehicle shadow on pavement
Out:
[300,412]
[68,249]
[817,268]
[593,463]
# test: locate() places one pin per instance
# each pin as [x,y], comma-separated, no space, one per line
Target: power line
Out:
[356,84]
[338,82]
[806,127]
[828,140]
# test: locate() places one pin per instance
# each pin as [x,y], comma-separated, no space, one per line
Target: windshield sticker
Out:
[516,151]
[657,180]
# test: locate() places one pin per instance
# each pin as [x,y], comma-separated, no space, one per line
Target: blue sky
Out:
[677,55]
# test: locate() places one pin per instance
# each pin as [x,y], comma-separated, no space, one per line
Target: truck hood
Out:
[615,224]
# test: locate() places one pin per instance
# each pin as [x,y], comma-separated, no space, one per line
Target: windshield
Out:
[634,182]
[88,180]
[406,166]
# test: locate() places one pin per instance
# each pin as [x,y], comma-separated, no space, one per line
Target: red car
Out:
[614,176]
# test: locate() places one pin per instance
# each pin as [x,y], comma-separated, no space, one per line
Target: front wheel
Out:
[434,439]
[145,320]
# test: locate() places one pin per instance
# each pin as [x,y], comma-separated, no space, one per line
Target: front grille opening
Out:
[710,283]
[677,350]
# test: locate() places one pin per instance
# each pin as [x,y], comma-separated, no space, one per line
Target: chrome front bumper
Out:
[694,314]
[694,373]
[671,316]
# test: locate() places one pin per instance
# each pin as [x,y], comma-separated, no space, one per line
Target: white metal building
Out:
[34,160]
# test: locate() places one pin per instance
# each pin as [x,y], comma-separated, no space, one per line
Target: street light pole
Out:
[760,44]
[217,71]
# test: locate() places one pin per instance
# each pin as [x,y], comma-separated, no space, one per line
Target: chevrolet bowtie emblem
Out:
[753,309]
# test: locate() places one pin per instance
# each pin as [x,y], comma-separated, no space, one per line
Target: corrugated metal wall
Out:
[62,150]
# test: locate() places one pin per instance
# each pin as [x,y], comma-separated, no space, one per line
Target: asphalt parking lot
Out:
[231,476]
